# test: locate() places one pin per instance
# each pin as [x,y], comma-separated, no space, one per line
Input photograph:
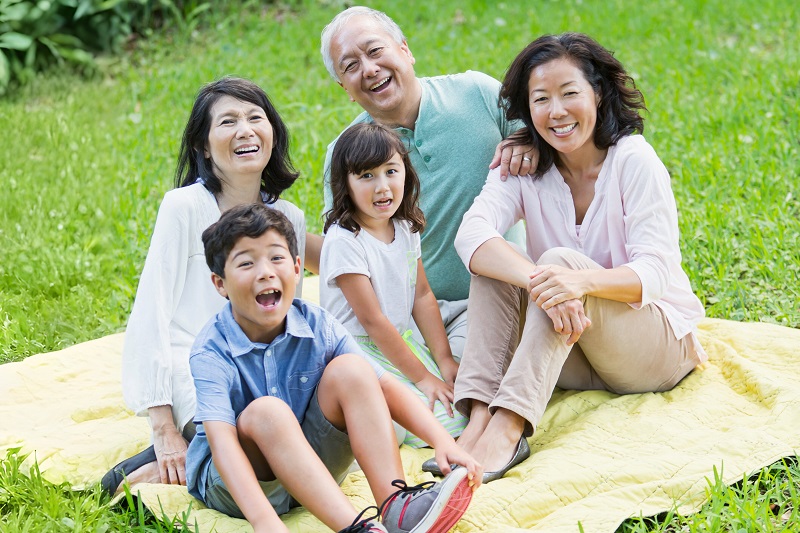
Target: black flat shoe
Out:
[522,453]
[116,475]
[432,467]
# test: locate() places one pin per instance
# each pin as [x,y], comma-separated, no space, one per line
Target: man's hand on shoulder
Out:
[513,157]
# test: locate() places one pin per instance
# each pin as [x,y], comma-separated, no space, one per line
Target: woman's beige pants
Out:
[625,350]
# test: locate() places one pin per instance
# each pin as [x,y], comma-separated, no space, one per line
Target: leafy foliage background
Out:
[37,35]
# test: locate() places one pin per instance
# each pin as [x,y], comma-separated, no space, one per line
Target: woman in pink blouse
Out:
[600,300]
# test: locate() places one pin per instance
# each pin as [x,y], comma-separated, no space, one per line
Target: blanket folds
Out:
[597,458]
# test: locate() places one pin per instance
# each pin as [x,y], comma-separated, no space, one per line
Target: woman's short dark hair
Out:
[362,147]
[277,176]
[620,100]
[244,220]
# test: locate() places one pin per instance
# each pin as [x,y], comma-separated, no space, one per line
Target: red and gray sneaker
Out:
[429,507]
[366,525]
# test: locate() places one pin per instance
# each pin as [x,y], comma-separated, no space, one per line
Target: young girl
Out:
[371,273]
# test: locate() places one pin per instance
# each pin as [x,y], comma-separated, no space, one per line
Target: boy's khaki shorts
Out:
[331,445]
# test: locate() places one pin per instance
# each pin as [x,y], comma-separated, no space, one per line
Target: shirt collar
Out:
[296,326]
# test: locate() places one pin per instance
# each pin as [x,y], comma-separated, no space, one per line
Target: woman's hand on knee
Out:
[569,319]
[170,448]
[551,285]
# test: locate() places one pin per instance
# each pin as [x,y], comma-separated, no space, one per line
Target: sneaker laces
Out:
[361,523]
[404,488]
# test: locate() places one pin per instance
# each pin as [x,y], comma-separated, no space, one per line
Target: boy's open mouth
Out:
[269,298]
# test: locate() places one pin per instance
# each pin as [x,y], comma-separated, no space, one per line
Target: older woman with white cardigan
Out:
[235,150]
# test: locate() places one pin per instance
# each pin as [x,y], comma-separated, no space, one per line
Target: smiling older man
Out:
[451,125]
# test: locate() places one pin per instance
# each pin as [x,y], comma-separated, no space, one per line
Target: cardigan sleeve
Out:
[147,354]
[494,211]
[298,220]
[650,219]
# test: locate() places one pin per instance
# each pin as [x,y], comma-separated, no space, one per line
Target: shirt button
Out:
[427,158]
[418,143]
[269,353]
[274,390]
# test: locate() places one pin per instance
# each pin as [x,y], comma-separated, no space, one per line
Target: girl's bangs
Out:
[371,149]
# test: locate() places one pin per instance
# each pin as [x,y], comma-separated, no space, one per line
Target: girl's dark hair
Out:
[277,176]
[362,147]
[620,100]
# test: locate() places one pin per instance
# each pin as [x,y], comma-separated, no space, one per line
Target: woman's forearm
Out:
[161,418]
[496,259]
[620,284]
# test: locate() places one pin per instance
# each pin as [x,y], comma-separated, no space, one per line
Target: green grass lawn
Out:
[84,163]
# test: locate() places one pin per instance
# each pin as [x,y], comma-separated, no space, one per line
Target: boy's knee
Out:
[263,413]
[348,370]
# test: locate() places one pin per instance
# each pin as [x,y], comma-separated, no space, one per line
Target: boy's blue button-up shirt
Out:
[230,371]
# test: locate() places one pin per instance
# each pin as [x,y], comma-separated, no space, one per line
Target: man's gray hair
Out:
[339,21]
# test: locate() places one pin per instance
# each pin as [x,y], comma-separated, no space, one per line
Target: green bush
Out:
[37,35]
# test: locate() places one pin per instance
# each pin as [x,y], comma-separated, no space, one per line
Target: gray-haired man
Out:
[451,125]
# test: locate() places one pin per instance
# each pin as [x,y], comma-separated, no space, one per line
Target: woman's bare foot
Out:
[479,418]
[499,440]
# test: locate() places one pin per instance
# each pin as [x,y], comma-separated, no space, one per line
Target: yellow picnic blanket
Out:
[597,459]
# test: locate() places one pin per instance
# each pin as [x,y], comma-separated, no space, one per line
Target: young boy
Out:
[285,401]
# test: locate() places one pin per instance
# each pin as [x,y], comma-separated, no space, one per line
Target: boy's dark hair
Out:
[359,148]
[247,220]
[277,176]
[620,100]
